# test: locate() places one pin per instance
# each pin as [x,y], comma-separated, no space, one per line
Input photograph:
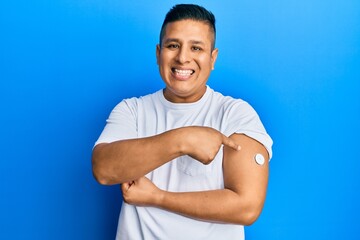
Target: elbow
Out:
[248,215]
[101,177]
[100,172]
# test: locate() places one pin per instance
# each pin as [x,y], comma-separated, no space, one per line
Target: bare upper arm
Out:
[241,172]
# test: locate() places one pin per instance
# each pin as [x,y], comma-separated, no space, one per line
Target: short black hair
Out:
[192,12]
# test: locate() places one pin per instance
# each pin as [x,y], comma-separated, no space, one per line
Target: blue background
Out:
[64,64]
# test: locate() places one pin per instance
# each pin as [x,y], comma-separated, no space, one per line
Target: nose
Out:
[183,55]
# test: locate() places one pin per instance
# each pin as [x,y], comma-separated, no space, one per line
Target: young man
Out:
[192,163]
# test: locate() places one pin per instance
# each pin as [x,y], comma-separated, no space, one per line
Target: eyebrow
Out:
[177,40]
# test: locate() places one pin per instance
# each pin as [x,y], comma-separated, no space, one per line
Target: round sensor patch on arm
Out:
[259,159]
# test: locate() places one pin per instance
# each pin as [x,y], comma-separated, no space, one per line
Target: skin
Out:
[186,45]
[121,161]
[241,199]
[185,60]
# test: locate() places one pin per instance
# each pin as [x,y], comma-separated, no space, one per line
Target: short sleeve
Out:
[243,119]
[121,124]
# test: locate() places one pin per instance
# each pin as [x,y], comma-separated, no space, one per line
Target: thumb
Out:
[126,185]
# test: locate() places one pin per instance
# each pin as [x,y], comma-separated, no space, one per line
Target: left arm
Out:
[240,202]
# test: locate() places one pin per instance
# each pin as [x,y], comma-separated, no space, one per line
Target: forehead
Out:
[189,30]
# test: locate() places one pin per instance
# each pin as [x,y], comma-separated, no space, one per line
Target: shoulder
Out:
[134,103]
[230,104]
[238,116]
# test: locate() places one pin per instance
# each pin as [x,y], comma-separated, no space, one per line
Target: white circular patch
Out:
[259,159]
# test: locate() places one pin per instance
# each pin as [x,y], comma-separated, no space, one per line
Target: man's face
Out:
[185,60]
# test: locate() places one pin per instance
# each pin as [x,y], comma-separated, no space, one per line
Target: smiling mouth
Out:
[182,73]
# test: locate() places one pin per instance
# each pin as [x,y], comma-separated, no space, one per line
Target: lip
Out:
[182,73]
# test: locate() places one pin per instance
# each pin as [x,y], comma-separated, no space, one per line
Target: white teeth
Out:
[183,72]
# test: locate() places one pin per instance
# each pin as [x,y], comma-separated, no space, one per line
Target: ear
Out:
[158,49]
[214,55]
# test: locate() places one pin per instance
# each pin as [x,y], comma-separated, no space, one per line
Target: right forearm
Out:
[127,160]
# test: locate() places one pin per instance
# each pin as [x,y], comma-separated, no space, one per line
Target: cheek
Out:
[165,59]
[204,58]
[205,63]
[161,62]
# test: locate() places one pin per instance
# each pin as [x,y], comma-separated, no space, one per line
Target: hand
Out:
[203,143]
[141,192]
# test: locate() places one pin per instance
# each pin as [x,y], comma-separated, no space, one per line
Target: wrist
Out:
[180,142]
[160,196]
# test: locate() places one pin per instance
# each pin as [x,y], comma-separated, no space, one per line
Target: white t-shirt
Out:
[153,114]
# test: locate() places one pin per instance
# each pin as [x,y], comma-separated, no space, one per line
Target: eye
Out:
[173,46]
[196,48]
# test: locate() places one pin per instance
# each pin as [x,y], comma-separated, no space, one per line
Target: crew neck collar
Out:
[184,105]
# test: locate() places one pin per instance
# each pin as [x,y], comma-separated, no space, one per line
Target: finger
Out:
[125,186]
[230,143]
